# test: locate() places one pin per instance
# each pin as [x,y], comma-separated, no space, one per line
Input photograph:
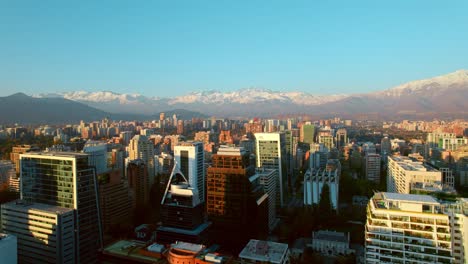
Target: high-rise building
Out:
[318,159]
[114,197]
[268,180]
[180,127]
[65,179]
[408,228]
[433,139]
[189,157]
[138,182]
[182,214]
[234,200]
[17,151]
[372,167]
[307,134]
[315,179]
[142,148]
[8,249]
[46,233]
[406,175]
[385,148]
[341,138]
[270,156]
[326,138]
[7,171]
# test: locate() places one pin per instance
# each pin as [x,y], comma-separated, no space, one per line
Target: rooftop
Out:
[412,165]
[193,232]
[415,198]
[130,250]
[331,236]
[231,151]
[260,250]
[185,246]
[55,154]
[26,206]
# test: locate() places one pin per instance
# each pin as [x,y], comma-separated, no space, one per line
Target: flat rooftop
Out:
[331,236]
[62,154]
[266,251]
[411,165]
[130,250]
[24,206]
[414,198]
[195,232]
[195,248]
[231,151]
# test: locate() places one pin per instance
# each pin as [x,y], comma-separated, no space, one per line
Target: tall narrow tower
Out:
[269,155]
[190,159]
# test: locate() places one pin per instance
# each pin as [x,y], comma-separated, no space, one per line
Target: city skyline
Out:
[172,49]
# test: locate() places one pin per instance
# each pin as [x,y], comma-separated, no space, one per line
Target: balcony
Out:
[444,238]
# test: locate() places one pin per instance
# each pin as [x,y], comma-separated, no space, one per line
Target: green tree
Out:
[325,204]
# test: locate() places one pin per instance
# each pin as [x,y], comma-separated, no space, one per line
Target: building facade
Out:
[190,158]
[65,179]
[408,228]
[45,233]
[405,175]
[269,156]
[315,179]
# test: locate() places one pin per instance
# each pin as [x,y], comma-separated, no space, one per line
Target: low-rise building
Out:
[259,251]
[331,243]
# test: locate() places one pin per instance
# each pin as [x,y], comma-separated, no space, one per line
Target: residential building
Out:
[138,182]
[406,175]
[372,167]
[402,228]
[140,147]
[341,138]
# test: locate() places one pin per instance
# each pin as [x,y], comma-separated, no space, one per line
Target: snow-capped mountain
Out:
[437,85]
[446,93]
[255,95]
[101,96]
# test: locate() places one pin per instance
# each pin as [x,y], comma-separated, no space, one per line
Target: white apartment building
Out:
[44,232]
[407,228]
[405,175]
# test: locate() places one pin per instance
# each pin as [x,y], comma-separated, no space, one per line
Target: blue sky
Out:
[170,48]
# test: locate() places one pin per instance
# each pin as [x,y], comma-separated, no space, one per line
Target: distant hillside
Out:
[20,108]
[441,96]
[23,109]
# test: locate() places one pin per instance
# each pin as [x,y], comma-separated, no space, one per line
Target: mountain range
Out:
[441,96]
